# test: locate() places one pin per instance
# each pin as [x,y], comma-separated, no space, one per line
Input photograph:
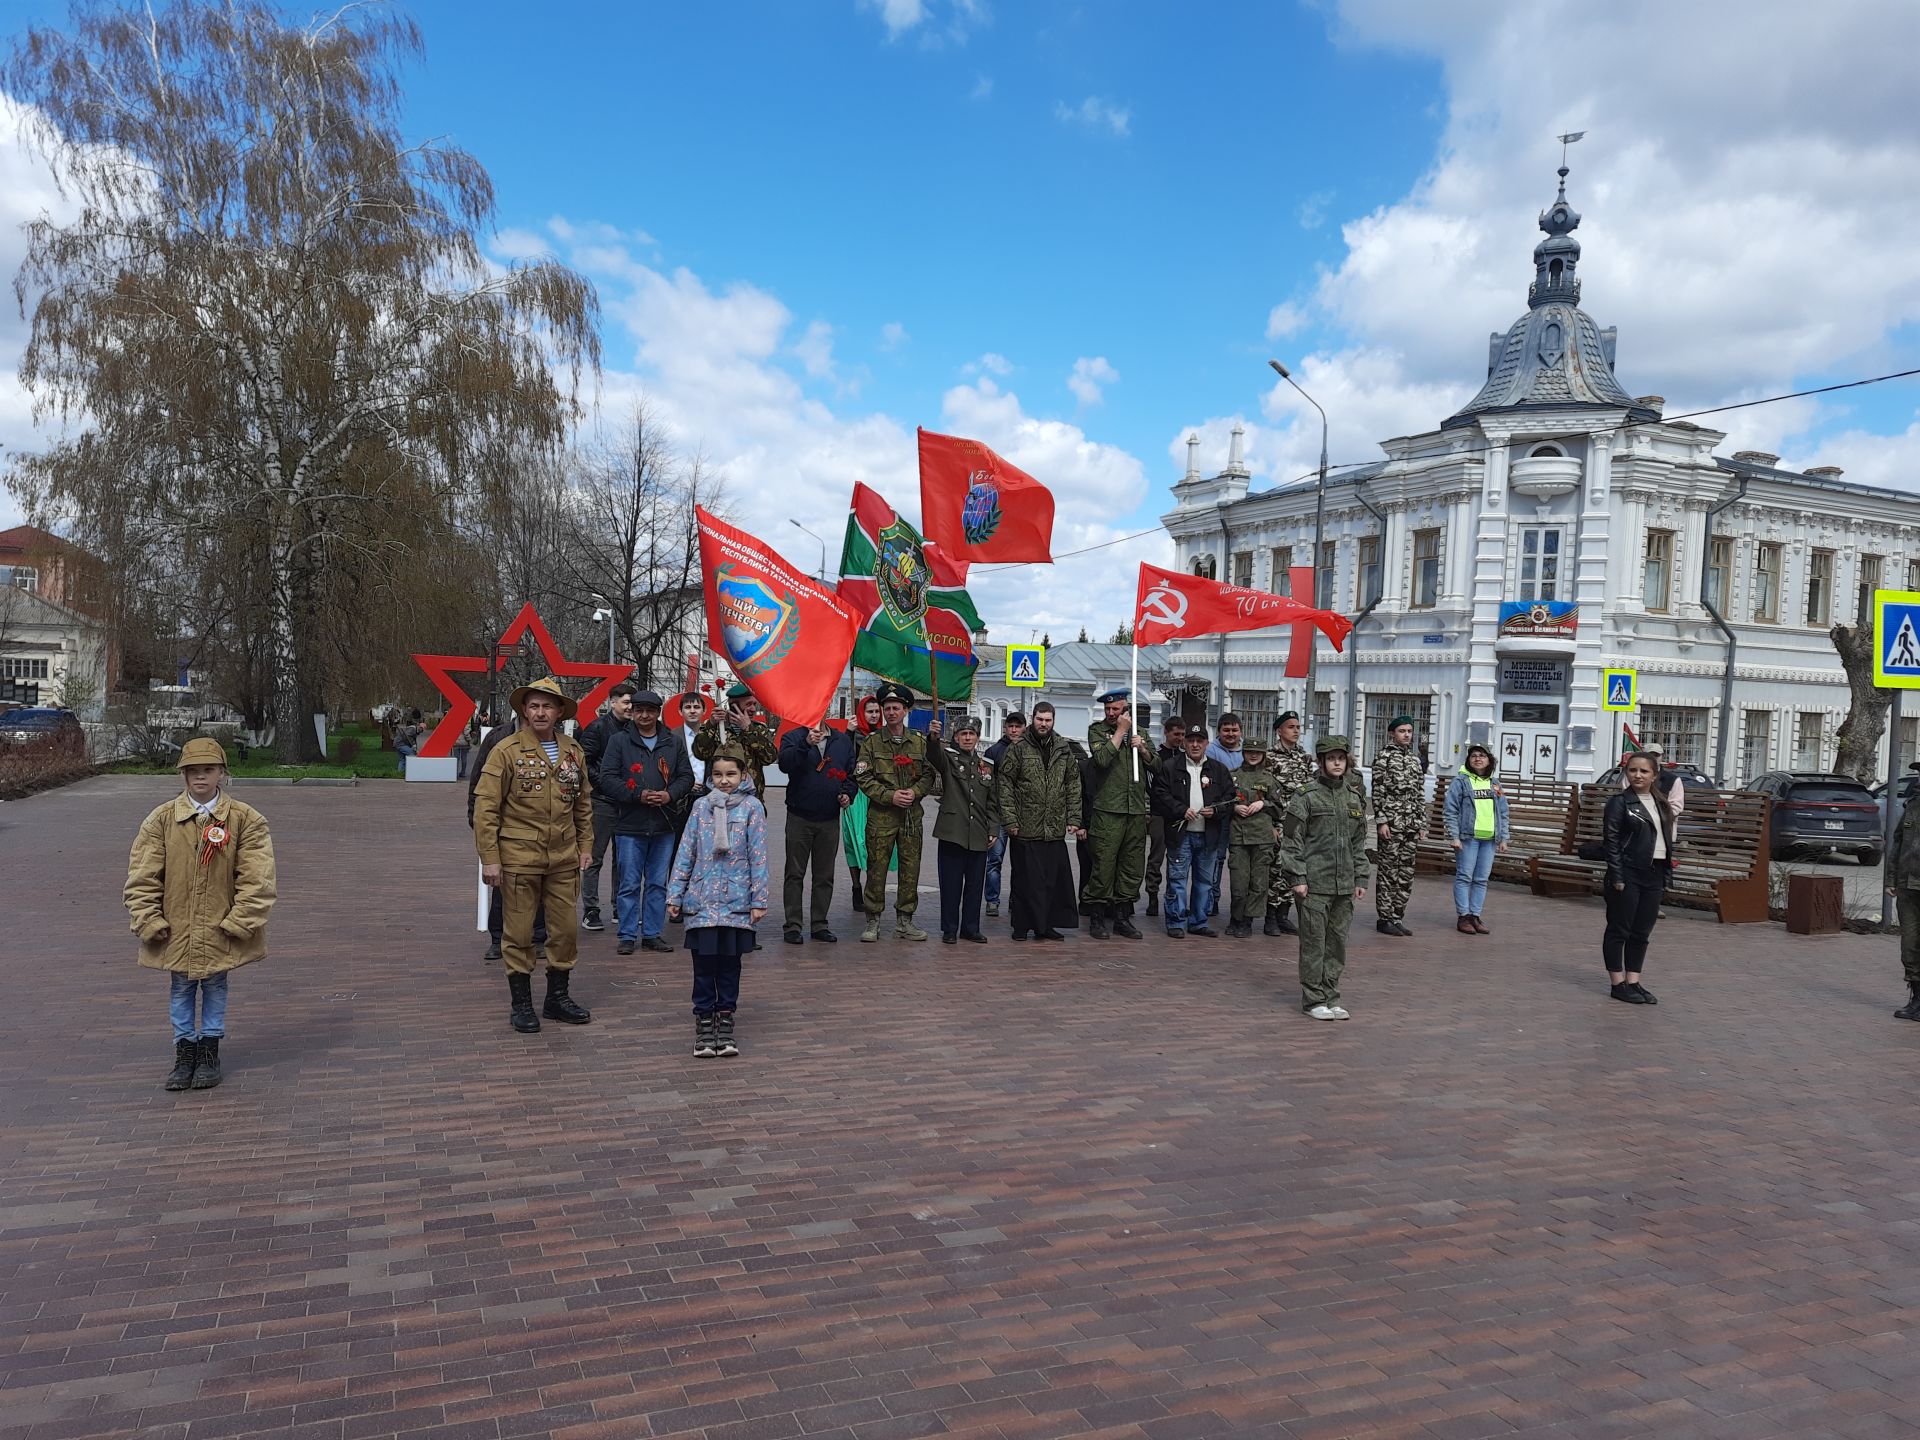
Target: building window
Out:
[1540,562]
[1426,570]
[1766,584]
[1257,710]
[1656,591]
[1756,743]
[24,670]
[1243,568]
[1280,581]
[1367,586]
[1322,712]
[1679,730]
[1909,744]
[1719,572]
[1382,708]
[1871,567]
[1820,587]
[1203,566]
[20,577]
[1913,574]
[1813,737]
[1323,589]
[1546,450]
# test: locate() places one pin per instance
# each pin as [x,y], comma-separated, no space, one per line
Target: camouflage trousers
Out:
[1393,876]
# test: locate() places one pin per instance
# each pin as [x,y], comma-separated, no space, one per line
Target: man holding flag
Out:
[896,774]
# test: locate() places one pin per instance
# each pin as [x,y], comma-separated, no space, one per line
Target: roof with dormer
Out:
[1554,355]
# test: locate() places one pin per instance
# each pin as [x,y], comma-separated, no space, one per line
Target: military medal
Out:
[212,840]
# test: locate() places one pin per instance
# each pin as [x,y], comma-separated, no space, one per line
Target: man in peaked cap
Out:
[533,827]
[896,774]
[1123,766]
[747,732]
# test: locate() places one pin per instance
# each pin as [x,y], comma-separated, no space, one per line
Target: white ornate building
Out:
[1552,490]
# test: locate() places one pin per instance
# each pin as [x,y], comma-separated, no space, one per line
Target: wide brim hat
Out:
[545,685]
[201,750]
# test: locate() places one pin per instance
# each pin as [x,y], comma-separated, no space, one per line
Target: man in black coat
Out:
[644,776]
[818,764]
[593,740]
[1194,794]
[1175,730]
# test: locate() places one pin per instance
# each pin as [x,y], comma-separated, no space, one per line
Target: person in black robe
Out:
[1038,782]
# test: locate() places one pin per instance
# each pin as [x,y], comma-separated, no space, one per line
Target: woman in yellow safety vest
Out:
[1477,829]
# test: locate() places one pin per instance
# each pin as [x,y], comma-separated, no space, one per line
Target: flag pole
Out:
[1133,690]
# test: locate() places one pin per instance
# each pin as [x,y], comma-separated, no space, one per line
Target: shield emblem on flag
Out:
[758,623]
[980,511]
[900,573]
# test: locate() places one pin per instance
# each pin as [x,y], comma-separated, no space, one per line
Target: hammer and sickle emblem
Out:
[1164,605]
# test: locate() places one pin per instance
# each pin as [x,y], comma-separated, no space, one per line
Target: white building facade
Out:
[1553,529]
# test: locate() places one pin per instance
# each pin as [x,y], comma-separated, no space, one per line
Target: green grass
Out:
[377,765]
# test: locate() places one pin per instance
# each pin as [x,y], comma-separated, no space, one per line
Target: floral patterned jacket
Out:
[722,887]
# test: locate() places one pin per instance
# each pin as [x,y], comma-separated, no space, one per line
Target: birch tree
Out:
[273,301]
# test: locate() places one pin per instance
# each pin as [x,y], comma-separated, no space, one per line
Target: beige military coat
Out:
[532,816]
[213,910]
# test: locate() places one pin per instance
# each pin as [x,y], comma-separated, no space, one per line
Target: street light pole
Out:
[1319,542]
[821,573]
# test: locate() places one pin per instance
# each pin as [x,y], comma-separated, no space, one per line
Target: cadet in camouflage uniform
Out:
[1323,854]
[1117,822]
[1291,767]
[1250,837]
[894,767]
[747,733]
[1398,808]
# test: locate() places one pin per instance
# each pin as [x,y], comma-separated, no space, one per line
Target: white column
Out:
[1590,592]
[1394,548]
[1489,572]
[1456,586]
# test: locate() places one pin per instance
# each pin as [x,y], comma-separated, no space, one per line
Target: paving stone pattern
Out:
[1008,1191]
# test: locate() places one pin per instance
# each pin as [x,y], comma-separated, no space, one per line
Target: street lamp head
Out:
[1280,370]
[600,615]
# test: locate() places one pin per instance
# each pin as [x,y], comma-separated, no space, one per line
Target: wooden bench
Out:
[1538,814]
[1720,861]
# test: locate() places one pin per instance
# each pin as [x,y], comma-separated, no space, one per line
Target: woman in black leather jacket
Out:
[1639,846]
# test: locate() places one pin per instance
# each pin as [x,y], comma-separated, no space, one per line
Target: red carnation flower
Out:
[634,769]
[903,760]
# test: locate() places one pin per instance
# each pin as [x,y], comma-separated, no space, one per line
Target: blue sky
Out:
[1076,231]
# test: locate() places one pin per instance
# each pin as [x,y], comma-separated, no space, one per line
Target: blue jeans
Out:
[1470,870]
[1191,860]
[642,864]
[996,856]
[213,1007]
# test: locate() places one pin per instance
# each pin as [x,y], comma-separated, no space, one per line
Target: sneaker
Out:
[871,934]
[993,909]
[592,921]
[1646,996]
[1327,1012]
[905,929]
[1340,1012]
[705,1046]
[723,1045]
[1626,994]
[656,945]
[625,947]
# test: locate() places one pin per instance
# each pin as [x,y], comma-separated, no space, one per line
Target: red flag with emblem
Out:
[978,508]
[1170,605]
[787,637]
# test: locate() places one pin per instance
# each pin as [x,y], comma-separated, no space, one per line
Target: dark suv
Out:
[1813,812]
[56,731]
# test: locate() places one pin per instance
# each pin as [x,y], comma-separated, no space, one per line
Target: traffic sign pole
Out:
[1886,820]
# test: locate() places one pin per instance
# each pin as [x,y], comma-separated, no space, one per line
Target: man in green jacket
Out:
[744,727]
[1903,883]
[1291,767]
[1037,787]
[1323,853]
[1250,837]
[896,774]
[1123,766]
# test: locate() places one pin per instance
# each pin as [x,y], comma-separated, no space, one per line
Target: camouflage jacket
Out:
[1290,768]
[1324,839]
[757,741]
[1250,785]
[886,765]
[1398,788]
[1039,793]
[1114,788]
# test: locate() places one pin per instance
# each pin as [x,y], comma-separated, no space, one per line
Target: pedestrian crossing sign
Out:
[1619,689]
[1896,639]
[1027,665]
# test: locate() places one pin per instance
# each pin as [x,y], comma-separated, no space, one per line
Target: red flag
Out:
[979,509]
[788,638]
[1173,606]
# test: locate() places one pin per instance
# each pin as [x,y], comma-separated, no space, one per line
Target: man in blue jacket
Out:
[818,764]
[643,775]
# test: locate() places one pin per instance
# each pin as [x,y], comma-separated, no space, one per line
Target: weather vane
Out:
[1566,140]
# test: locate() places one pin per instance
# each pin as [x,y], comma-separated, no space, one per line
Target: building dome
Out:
[1554,355]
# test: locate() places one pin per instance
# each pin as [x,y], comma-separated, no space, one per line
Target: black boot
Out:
[1909,1011]
[1123,925]
[492,957]
[521,988]
[1097,927]
[1272,927]
[561,1006]
[1153,902]
[181,1076]
[854,871]
[206,1064]
[1285,921]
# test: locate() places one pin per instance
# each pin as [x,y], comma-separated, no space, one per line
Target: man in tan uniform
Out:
[533,827]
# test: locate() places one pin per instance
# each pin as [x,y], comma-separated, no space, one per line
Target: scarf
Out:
[725,805]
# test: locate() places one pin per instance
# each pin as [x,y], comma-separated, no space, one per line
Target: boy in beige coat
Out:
[200,883]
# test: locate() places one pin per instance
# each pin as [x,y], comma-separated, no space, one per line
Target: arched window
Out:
[1553,275]
[1203,566]
[1552,450]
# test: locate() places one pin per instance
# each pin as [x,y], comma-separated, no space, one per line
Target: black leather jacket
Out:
[1628,837]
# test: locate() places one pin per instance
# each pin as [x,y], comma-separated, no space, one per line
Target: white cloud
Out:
[893,335]
[982,89]
[961,18]
[1097,115]
[1090,373]
[899,16]
[815,350]
[1312,211]
[1738,248]
[991,363]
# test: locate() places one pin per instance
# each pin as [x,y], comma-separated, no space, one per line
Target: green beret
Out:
[738,691]
[1397,721]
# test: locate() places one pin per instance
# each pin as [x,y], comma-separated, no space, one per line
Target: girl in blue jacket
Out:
[720,885]
[1477,829]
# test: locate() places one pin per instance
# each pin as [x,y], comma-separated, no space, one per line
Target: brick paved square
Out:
[996,1191]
